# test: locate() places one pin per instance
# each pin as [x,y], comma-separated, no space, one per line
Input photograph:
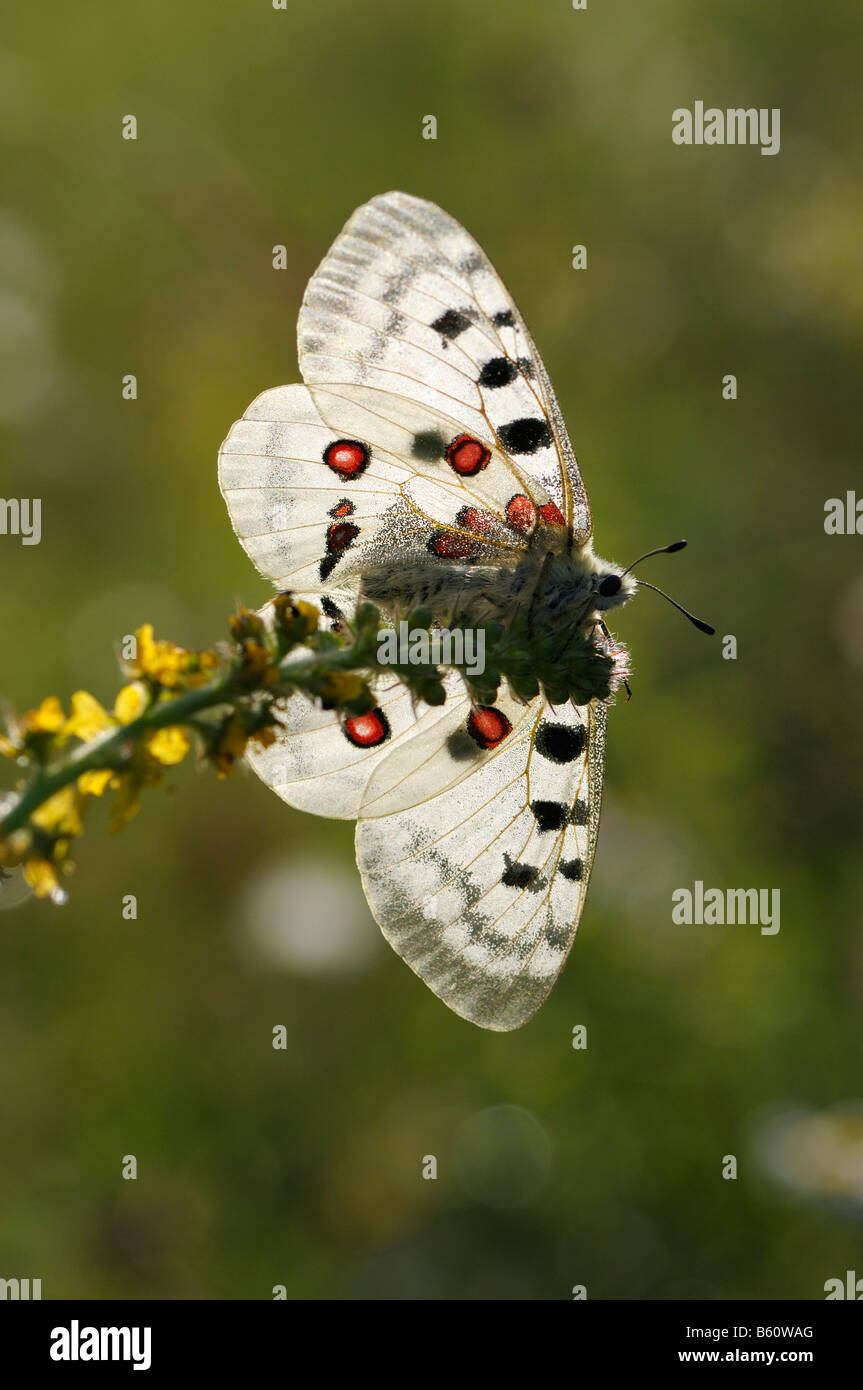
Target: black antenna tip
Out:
[678,545]
[696,622]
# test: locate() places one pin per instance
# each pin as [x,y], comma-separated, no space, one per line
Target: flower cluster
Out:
[91,750]
[173,700]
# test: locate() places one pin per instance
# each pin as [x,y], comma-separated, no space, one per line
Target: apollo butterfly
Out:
[424,458]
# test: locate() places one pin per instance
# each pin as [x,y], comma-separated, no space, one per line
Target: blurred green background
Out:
[556,1167]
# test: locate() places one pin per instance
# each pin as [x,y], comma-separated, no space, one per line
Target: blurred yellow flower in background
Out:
[47,718]
[170,665]
[131,701]
[169,746]
[61,813]
[42,877]
[87,718]
[94,783]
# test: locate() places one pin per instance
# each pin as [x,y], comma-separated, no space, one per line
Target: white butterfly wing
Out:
[406,301]
[476,862]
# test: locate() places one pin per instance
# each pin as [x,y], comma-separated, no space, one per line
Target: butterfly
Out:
[426,461]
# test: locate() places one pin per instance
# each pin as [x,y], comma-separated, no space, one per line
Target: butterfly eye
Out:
[610,585]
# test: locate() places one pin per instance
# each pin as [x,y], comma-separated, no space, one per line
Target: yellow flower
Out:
[338,687]
[170,665]
[144,771]
[310,615]
[131,701]
[245,624]
[61,813]
[94,783]
[87,718]
[258,667]
[127,801]
[296,618]
[169,745]
[14,847]
[46,719]
[42,877]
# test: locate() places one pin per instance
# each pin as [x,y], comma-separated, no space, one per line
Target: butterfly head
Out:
[612,587]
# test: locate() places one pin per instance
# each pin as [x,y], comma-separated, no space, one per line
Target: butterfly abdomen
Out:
[478,593]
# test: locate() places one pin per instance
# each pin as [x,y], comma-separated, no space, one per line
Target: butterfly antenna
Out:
[696,622]
[660,550]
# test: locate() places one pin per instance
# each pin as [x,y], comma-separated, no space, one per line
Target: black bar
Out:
[225,1338]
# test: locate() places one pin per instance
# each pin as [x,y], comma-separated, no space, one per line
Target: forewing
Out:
[405,300]
[476,862]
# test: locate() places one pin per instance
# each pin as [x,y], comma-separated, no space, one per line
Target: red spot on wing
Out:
[367,730]
[343,508]
[521,513]
[488,726]
[551,514]
[467,456]
[347,457]
[450,545]
[476,520]
[340,535]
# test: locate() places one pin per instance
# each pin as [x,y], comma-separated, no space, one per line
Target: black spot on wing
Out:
[498,371]
[579,814]
[519,875]
[525,436]
[550,815]
[331,609]
[462,747]
[559,743]
[504,319]
[572,869]
[558,938]
[428,445]
[452,323]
